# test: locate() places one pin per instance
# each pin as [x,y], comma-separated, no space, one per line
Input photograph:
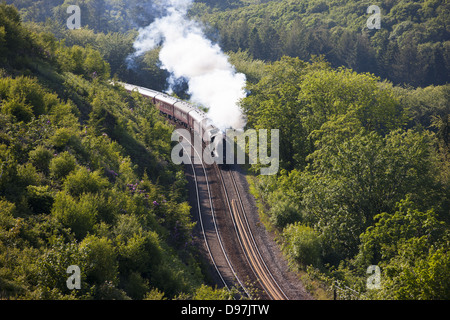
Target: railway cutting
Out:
[240,252]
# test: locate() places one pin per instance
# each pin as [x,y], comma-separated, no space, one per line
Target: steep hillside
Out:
[86,180]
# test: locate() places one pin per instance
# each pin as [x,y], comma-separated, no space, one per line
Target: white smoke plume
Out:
[187,53]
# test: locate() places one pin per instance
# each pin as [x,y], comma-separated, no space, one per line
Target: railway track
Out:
[202,216]
[236,209]
[246,238]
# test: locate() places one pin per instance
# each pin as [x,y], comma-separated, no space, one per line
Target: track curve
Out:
[219,257]
[246,239]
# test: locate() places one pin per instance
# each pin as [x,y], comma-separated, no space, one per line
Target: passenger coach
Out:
[183,113]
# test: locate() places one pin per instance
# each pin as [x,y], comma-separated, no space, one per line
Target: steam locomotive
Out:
[186,115]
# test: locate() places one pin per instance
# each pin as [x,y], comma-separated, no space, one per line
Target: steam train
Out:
[184,114]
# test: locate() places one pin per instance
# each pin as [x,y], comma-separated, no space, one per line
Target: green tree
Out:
[141,252]
[255,45]
[283,210]
[276,94]
[382,241]
[353,179]
[418,278]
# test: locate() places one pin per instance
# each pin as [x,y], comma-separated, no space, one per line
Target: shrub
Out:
[8,176]
[31,92]
[155,295]
[80,216]
[40,199]
[62,165]
[7,220]
[136,287]
[82,181]
[18,110]
[101,260]
[62,138]
[141,253]
[40,157]
[302,244]
[52,265]
[83,61]
[27,175]
[283,212]
[209,293]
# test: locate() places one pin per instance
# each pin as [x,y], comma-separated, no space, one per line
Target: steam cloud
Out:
[187,53]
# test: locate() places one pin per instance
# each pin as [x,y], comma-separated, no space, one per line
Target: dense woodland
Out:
[412,46]
[365,178]
[86,176]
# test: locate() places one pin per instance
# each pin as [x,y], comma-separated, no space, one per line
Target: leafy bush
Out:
[283,212]
[136,286]
[63,137]
[7,220]
[82,181]
[62,165]
[27,175]
[40,157]
[101,260]
[30,92]
[40,199]
[83,61]
[53,263]
[8,176]
[208,293]
[29,97]
[78,215]
[18,110]
[302,244]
